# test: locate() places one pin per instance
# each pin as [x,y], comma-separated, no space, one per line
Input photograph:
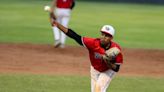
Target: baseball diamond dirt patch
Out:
[45,59]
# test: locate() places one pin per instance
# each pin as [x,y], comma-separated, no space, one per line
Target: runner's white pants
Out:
[63,17]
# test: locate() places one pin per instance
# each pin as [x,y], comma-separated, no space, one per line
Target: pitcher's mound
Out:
[45,59]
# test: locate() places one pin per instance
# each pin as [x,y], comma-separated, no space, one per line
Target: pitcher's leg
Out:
[104,80]
[94,77]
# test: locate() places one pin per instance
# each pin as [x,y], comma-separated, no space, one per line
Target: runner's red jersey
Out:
[64,3]
[96,51]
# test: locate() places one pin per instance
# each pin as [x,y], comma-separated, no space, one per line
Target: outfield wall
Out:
[131,1]
[128,1]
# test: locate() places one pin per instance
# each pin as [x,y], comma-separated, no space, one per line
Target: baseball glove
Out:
[110,55]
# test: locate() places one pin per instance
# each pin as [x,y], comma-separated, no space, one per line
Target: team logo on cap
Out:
[107,28]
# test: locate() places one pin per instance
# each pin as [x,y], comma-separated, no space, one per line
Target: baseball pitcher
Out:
[105,55]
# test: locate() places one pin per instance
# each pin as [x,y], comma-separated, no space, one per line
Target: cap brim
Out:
[106,33]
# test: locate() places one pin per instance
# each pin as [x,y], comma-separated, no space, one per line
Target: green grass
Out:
[24,22]
[42,83]
[45,83]
[137,26]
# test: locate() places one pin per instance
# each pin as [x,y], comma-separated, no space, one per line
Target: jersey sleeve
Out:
[119,59]
[88,42]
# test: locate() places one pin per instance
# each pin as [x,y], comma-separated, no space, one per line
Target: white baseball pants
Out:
[63,17]
[101,80]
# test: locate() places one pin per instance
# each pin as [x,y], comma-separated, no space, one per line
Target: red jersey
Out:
[64,3]
[96,51]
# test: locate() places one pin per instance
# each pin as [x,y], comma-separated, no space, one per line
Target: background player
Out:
[62,10]
[102,70]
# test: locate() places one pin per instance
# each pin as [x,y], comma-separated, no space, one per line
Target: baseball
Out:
[47,8]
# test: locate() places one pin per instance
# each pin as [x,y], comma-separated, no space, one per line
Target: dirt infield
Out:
[45,59]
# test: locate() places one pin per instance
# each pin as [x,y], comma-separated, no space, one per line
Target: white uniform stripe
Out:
[83,42]
[118,63]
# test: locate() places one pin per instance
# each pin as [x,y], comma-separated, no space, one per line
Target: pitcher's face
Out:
[105,39]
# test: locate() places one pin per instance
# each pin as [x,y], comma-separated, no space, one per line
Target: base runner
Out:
[62,9]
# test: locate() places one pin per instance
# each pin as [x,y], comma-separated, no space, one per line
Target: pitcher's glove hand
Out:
[110,55]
